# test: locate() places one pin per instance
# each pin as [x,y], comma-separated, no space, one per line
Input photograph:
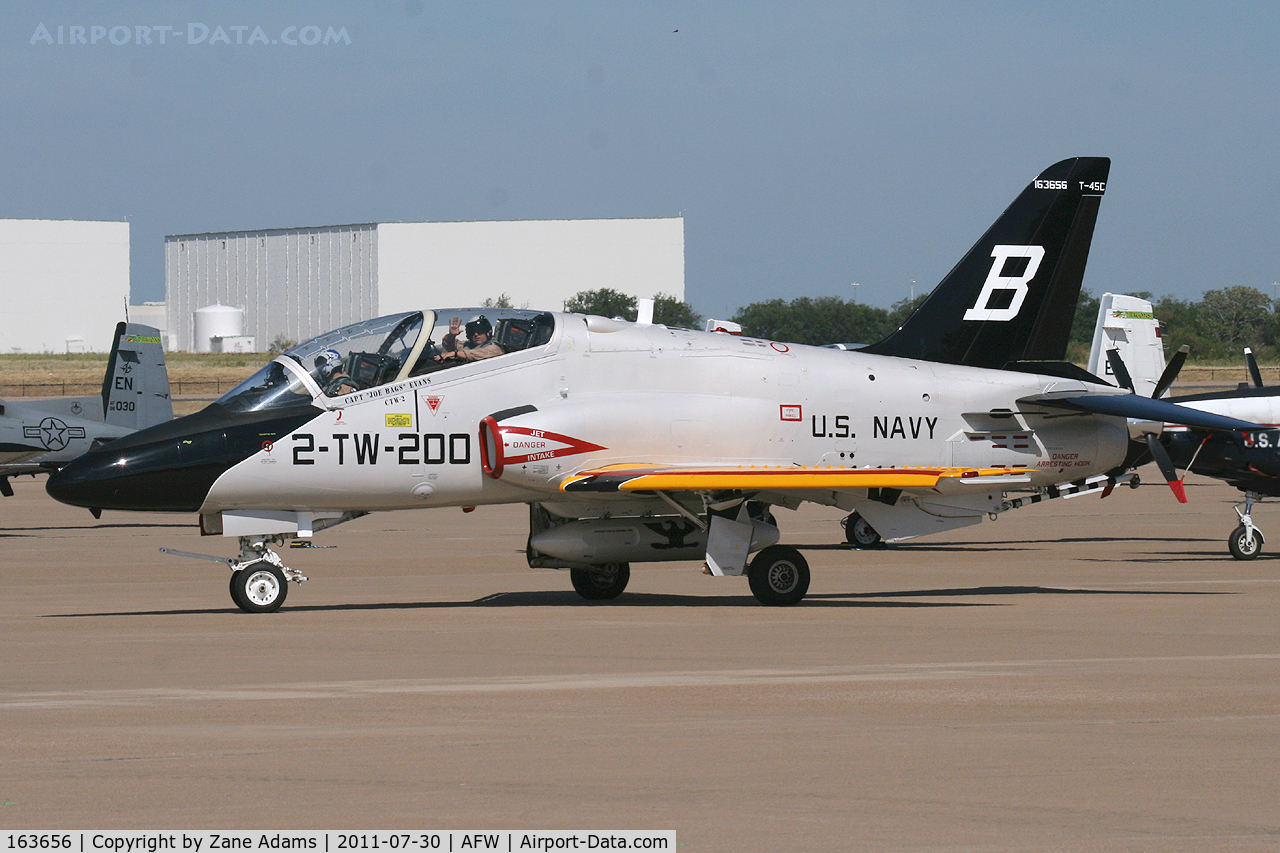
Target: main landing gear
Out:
[858,532]
[259,580]
[779,576]
[601,583]
[1245,542]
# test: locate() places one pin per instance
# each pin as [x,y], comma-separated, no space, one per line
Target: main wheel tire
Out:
[858,532]
[779,576]
[235,589]
[608,582]
[1241,547]
[259,588]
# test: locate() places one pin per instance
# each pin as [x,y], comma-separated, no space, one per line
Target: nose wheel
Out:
[1245,542]
[259,588]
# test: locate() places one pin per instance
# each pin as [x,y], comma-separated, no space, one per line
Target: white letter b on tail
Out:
[995,281]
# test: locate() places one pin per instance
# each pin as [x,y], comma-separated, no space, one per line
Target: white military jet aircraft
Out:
[635,442]
[41,435]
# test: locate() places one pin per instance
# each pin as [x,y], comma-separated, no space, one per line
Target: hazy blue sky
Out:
[808,145]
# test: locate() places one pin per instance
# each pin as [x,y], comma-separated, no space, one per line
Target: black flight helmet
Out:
[479,323]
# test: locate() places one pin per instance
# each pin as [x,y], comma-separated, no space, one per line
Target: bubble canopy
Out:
[378,351]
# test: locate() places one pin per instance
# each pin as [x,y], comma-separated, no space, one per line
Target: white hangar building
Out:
[301,282]
[65,284]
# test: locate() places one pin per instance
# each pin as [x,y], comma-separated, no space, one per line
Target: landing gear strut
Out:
[259,579]
[1245,542]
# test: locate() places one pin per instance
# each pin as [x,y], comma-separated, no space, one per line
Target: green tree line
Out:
[1218,327]
[820,320]
[606,302]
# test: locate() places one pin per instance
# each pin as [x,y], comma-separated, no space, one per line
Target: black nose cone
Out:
[150,476]
[170,467]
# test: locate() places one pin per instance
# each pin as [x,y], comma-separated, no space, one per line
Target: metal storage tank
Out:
[217,321]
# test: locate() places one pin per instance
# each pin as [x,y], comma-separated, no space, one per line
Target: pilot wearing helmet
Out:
[479,343]
[333,379]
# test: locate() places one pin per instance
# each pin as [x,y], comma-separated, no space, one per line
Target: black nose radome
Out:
[170,467]
[141,477]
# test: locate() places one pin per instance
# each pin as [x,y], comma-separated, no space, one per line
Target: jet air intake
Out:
[524,454]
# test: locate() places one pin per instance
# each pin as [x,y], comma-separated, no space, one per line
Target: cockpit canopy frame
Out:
[376,352]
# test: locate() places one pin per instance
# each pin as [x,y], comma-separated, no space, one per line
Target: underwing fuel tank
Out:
[597,541]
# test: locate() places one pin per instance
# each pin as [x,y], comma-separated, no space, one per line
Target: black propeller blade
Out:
[1254,373]
[1157,450]
[1118,369]
[1171,371]
[1165,464]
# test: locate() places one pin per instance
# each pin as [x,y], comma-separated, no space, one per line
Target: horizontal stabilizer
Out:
[1143,408]
[643,479]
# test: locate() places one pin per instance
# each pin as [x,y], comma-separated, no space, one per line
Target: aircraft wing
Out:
[19,463]
[1143,408]
[624,478]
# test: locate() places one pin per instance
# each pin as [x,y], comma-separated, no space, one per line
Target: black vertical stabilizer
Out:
[1013,296]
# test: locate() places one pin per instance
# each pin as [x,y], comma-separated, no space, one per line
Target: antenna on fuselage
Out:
[644,312]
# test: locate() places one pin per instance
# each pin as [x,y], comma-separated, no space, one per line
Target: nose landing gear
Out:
[1245,542]
[259,579]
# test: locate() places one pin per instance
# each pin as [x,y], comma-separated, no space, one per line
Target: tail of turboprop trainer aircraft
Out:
[135,388]
[1013,296]
[1128,325]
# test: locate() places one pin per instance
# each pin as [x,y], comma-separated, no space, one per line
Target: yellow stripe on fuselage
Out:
[789,478]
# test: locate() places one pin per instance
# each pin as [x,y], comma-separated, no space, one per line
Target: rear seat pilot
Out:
[479,344]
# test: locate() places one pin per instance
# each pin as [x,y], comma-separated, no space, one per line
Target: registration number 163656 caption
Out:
[32,841]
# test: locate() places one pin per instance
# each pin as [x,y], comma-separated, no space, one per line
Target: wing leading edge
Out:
[1143,408]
